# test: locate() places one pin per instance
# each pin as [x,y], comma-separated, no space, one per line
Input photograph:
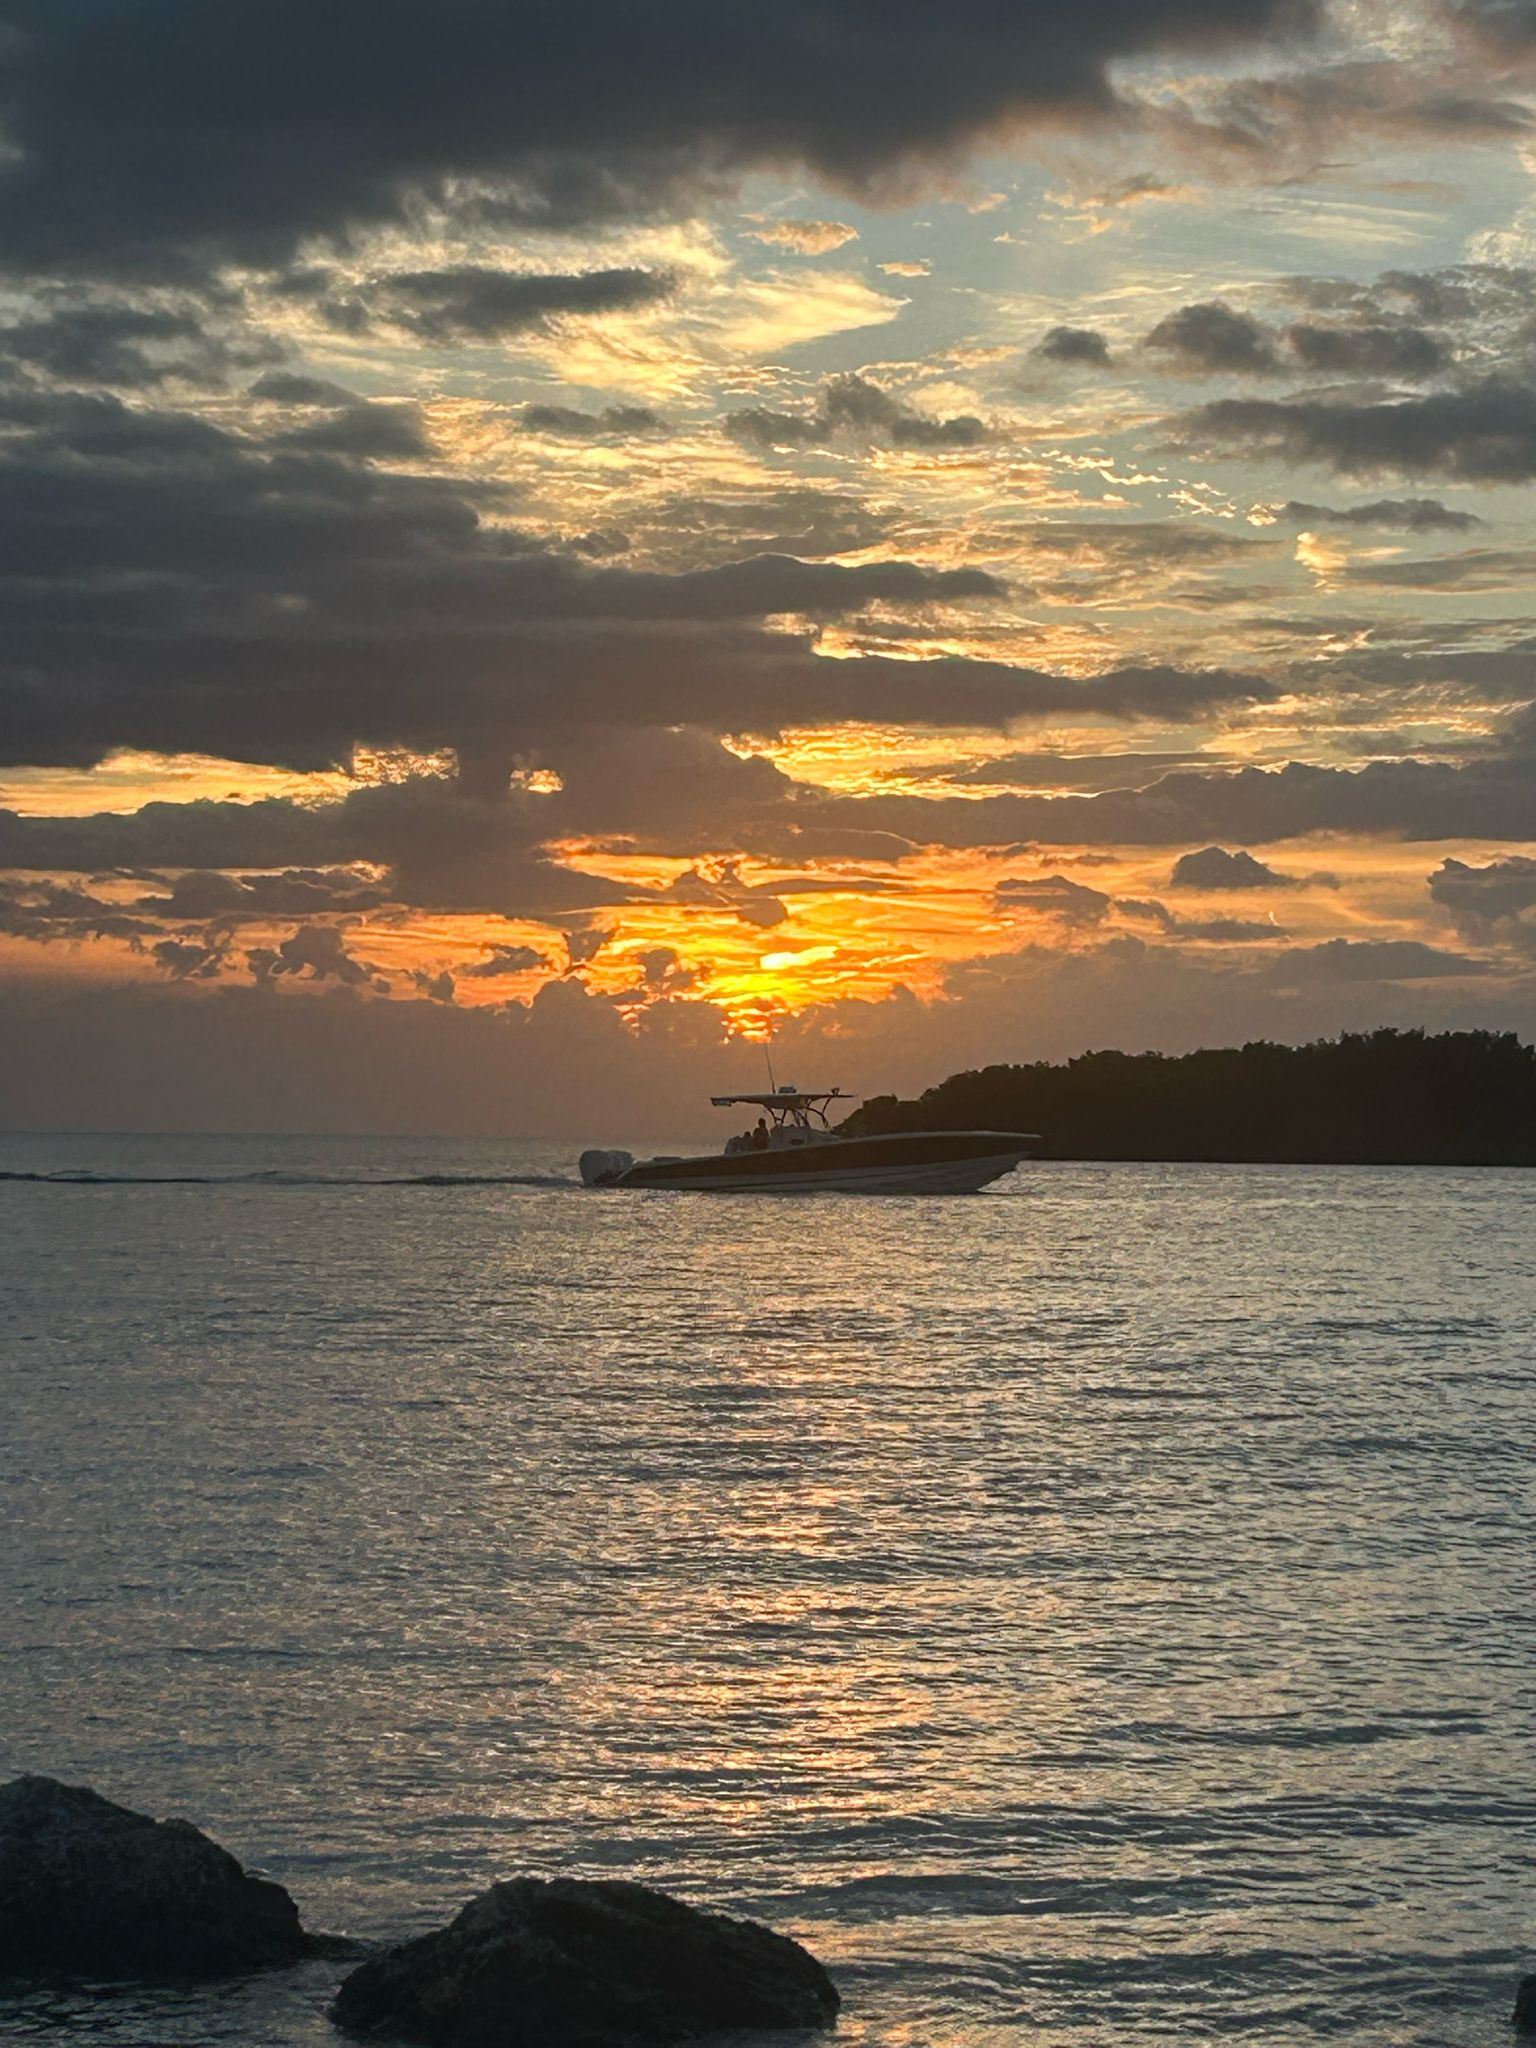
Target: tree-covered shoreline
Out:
[1456,1098]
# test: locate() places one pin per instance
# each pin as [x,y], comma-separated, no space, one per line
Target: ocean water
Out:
[1100,1610]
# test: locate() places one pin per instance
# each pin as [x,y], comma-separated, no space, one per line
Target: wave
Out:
[69,1177]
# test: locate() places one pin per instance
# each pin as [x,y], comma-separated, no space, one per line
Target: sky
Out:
[549,548]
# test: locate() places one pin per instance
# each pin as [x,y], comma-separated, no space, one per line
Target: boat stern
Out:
[603,1169]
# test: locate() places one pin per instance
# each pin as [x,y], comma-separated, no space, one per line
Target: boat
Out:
[795,1150]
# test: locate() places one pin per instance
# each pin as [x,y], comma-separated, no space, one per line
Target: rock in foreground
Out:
[566,1964]
[1524,2015]
[92,1889]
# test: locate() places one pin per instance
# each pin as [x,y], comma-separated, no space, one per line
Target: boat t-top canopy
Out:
[790,1105]
[780,1097]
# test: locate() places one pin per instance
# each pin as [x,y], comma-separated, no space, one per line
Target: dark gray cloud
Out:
[662,973]
[1517,729]
[1214,868]
[189,959]
[480,304]
[584,943]
[1280,124]
[214,897]
[781,583]
[192,931]
[199,835]
[1481,293]
[441,848]
[436,845]
[131,347]
[172,133]
[1493,667]
[366,432]
[720,887]
[1457,294]
[567,422]
[1084,346]
[47,911]
[1226,931]
[315,952]
[601,544]
[791,519]
[1073,560]
[1408,352]
[855,408]
[1484,895]
[751,806]
[1209,931]
[1212,338]
[1485,433]
[1073,903]
[290,387]
[1485,799]
[1509,25]
[501,961]
[359,691]
[1410,515]
[1491,905]
[1373,960]
[1134,544]
[171,585]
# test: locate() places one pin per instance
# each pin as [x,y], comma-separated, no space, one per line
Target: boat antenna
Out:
[768,1056]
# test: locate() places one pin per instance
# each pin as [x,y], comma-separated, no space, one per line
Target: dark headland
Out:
[1389,1098]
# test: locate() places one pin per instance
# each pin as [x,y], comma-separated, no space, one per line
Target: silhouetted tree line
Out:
[1462,1098]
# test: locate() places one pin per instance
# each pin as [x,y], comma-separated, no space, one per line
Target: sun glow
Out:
[775,963]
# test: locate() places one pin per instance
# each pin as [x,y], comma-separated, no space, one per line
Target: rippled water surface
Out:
[1103,1610]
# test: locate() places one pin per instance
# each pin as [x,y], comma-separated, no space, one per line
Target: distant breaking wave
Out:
[71,1178]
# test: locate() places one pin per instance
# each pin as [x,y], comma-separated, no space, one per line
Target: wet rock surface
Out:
[88,1888]
[568,1964]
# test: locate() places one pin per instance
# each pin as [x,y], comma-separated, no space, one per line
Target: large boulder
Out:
[92,1889]
[567,1964]
[1524,2015]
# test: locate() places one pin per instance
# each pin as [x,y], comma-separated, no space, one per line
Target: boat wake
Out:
[81,1178]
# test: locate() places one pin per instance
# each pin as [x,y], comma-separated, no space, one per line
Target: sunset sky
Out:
[546,544]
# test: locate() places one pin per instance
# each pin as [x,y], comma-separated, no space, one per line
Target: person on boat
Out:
[760,1136]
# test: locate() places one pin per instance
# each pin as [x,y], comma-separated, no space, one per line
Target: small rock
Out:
[92,1889]
[1524,2015]
[560,1963]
